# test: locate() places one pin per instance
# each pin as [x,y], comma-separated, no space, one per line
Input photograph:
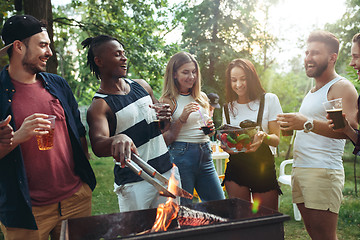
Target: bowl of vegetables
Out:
[236,139]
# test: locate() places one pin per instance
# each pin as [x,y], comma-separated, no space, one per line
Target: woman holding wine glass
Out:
[189,145]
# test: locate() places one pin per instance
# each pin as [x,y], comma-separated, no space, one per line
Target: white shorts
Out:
[142,195]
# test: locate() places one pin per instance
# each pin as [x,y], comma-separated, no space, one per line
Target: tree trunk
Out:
[42,10]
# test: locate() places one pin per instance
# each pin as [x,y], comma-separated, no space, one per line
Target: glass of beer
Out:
[334,109]
[46,141]
[161,121]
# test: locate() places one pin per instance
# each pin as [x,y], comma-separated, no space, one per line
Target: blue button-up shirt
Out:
[15,203]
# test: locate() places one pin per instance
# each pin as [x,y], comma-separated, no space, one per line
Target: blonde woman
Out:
[189,146]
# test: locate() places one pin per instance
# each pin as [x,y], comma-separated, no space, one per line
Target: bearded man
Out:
[318,173]
[39,188]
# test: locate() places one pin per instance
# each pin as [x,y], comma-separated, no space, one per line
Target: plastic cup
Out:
[46,141]
[160,121]
[334,109]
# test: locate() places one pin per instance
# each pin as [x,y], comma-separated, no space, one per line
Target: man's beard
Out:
[320,68]
[30,66]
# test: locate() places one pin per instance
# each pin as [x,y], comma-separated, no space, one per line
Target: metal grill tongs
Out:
[152,176]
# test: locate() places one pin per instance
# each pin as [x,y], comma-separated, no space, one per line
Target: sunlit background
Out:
[293,20]
[290,20]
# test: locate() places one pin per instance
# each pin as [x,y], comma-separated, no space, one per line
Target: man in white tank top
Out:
[318,174]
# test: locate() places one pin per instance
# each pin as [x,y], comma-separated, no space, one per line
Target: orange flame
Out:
[165,213]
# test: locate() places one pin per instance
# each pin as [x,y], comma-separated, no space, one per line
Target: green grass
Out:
[105,200]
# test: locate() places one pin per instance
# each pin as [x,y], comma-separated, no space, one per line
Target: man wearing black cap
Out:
[39,189]
[214,102]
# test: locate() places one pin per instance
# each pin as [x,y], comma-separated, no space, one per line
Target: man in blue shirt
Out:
[39,188]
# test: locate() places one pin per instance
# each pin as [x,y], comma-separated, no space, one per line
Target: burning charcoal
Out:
[190,217]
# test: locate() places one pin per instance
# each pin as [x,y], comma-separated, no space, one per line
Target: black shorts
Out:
[254,170]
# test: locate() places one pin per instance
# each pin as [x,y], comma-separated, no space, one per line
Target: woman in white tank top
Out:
[189,146]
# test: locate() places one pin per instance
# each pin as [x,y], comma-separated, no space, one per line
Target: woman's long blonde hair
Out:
[171,88]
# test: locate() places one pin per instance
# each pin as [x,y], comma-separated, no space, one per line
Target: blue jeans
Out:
[197,170]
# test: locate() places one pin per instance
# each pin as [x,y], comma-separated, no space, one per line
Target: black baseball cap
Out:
[214,100]
[19,27]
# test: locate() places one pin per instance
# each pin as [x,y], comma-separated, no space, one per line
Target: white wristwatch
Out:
[308,125]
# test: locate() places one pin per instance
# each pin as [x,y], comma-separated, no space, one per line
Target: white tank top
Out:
[190,131]
[312,150]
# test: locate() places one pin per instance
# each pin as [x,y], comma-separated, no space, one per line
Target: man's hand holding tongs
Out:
[121,148]
[124,153]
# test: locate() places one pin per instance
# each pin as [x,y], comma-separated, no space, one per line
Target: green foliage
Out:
[72,61]
[6,10]
[289,87]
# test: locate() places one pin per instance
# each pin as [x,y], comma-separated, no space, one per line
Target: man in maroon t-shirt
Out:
[57,182]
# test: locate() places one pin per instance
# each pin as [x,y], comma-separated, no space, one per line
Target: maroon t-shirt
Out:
[50,173]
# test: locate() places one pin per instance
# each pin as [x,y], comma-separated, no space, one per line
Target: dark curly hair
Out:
[94,43]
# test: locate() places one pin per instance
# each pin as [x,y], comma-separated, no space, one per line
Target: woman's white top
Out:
[190,131]
[249,111]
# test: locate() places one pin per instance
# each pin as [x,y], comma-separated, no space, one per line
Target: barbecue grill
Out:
[242,222]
